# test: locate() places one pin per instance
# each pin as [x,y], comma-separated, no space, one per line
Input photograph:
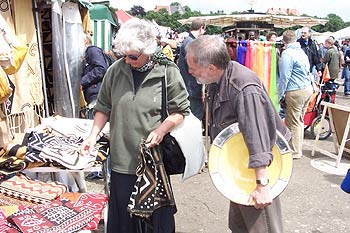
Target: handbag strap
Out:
[164,112]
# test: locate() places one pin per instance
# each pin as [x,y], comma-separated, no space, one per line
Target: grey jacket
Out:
[240,97]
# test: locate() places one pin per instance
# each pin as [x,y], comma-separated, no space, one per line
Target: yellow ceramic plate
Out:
[228,166]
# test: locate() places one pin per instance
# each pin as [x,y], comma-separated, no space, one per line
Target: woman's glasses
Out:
[133,57]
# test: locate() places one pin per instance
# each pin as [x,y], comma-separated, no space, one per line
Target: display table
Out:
[339,117]
[96,168]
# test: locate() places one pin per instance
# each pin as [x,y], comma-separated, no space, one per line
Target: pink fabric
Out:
[95,202]
[3,221]
[60,216]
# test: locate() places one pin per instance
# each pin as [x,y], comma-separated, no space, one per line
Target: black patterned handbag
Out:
[173,158]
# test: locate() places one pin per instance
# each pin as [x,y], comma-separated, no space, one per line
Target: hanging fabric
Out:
[273,77]
[261,57]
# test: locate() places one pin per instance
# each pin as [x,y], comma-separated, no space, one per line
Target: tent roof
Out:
[342,33]
[279,21]
[123,16]
[101,12]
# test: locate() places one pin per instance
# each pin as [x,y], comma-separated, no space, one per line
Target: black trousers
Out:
[120,220]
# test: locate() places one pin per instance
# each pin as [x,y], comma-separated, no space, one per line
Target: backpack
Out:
[108,58]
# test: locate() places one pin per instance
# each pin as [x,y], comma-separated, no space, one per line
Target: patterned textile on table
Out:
[152,187]
[11,201]
[59,216]
[62,150]
[25,188]
[3,177]
[3,222]
[35,143]
[6,211]
[12,157]
[96,202]
[64,126]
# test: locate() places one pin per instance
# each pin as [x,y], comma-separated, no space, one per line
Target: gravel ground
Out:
[312,202]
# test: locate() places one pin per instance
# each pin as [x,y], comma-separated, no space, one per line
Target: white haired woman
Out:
[130,99]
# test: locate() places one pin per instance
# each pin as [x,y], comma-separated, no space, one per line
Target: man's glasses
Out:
[133,57]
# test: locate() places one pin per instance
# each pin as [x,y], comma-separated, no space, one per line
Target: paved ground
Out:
[312,202]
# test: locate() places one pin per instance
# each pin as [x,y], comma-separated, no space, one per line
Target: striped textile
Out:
[24,188]
[261,57]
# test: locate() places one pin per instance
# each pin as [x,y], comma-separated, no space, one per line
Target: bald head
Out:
[305,33]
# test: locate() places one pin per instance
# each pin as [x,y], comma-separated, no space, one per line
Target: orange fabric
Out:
[312,102]
[326,76]
[259,63]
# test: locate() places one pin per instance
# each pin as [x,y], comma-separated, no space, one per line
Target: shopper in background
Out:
[193,88]
[294,89]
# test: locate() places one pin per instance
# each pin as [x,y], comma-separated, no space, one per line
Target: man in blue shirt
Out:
[294,89]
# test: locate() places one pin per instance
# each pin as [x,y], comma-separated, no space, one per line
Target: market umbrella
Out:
[279,21]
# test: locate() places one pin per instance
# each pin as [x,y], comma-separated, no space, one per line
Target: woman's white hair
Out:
[136,35]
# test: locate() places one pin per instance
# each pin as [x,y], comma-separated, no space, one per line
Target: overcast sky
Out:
[320,8]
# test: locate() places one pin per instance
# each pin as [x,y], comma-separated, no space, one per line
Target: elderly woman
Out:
[130,99]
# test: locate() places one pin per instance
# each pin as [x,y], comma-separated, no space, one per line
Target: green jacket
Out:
[332,59]
[133,116]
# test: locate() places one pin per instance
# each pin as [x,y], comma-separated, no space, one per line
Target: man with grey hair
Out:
[310,49]
[236,94]
[193,88]
[294,89]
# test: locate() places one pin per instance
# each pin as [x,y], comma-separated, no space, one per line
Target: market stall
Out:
[104,26]
[41,52]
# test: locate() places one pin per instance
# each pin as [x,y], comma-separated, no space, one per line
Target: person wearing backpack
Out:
[95,65]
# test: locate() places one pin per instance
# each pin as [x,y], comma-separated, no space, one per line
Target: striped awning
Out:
[101,12]
[102,34]
[102,22]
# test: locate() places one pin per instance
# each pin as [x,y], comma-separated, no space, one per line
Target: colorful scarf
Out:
[158,57]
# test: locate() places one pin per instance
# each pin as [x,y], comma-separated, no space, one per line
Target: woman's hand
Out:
[87,146]
[155,137]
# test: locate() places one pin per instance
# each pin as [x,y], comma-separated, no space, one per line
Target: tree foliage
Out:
[335,23]
[138,11]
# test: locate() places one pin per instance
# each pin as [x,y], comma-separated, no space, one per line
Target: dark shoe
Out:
[347,93]
[100,175]
[94,176]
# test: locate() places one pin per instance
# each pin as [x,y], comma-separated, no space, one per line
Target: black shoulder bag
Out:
[173,158]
